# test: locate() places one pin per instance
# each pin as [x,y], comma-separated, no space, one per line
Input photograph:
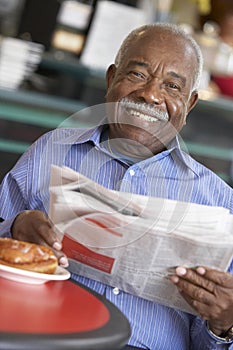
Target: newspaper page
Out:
[134,242]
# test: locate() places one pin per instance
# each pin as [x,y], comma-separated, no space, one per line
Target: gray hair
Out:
[173,29]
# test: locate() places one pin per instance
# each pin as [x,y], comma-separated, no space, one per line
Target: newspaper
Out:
[134,242]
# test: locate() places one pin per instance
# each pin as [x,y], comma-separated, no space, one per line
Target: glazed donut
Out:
[27,256]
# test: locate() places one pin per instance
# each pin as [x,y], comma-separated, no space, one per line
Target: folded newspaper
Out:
[134,242]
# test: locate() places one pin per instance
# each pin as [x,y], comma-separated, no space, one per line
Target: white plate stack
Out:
[18,60]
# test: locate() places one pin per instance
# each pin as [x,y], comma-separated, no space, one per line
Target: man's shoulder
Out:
[65,132]
[65,135]
[206,174]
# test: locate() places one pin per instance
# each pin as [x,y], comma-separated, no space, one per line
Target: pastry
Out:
[27,256]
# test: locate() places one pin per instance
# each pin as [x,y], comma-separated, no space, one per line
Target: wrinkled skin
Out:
[210,293]
[159,71]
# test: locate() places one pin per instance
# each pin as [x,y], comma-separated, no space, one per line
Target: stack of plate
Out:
[18,60]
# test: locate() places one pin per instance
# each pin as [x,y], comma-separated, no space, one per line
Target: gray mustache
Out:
[144,108]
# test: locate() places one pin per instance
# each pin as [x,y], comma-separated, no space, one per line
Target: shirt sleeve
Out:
[202,339]
[12,190]
[13,194]
[5,228]
[12,203]
[25,186]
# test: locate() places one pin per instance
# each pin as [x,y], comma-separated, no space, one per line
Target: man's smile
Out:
[142,116]
[143,111]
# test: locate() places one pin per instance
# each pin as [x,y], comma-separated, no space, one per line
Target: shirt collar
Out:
[79,136]
[178,146]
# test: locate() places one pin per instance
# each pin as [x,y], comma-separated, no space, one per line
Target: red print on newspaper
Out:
[84,255]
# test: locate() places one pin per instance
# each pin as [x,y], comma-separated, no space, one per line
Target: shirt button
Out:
[132,172]
[116,291]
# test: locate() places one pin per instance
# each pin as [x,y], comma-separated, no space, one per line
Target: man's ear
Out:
[192,101]
[110,74]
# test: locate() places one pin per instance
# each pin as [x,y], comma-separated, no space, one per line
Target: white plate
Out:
[31,277]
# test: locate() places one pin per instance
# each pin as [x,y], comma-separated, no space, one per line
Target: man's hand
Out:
[34,226]
[209,292]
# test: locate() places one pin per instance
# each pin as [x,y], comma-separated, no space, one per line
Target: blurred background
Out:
[54,53]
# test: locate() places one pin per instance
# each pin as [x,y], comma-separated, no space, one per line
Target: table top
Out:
[58,315]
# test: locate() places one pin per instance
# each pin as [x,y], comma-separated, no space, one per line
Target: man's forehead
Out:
[158,38]
[152,32]
[145,49]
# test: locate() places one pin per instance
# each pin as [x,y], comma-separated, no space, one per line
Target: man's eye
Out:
[137,74]
[173,86]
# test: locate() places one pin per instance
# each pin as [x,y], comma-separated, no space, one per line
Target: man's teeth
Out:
[143,116]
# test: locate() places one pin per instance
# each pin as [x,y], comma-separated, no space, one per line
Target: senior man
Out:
[151,88]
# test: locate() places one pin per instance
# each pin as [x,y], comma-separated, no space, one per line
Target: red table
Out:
[59,315]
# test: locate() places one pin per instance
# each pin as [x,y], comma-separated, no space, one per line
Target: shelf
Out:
[41,101]
[73,67]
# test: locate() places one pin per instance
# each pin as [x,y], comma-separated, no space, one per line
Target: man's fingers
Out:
[34,226]
[218,277]
[62,259]
[206,278]
[189,278]
[196,292]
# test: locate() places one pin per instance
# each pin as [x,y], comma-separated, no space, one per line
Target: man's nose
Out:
[150,93]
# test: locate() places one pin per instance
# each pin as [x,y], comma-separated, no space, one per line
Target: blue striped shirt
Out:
[171,174]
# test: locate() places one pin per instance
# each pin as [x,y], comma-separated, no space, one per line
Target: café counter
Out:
[58,315]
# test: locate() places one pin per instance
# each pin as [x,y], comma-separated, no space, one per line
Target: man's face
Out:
[153,84]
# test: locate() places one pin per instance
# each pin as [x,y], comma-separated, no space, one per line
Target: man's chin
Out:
[138,145]
[143,130]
